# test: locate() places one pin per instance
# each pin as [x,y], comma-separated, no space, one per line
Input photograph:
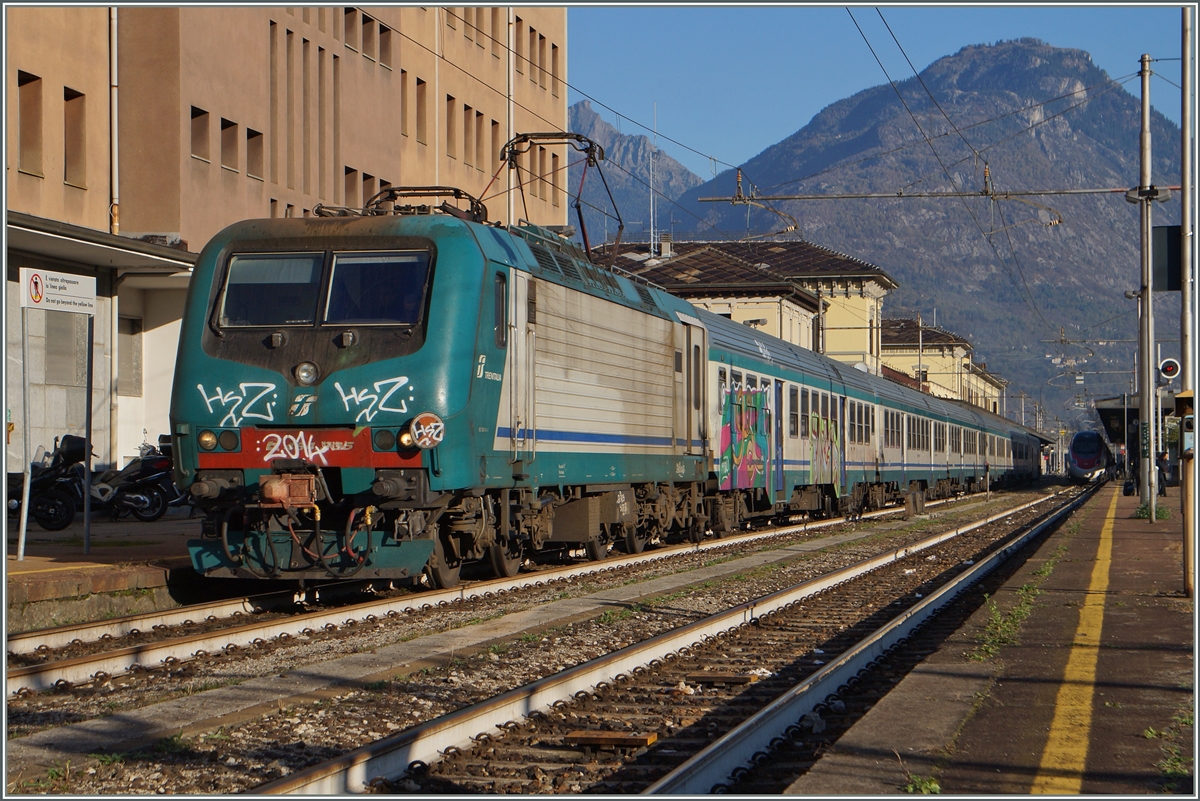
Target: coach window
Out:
[834,400]
[804,412]
[736,386]
[722,390]
[751,382]
[696,377]
[824,407]
[501,313]
[852,422]
[793,412]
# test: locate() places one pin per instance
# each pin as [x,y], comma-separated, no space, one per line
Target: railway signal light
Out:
[1169,368]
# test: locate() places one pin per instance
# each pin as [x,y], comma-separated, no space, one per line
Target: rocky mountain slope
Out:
[1006,272]
[626,168]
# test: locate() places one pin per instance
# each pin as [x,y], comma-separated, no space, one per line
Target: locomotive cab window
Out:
[377,288]
[271,289]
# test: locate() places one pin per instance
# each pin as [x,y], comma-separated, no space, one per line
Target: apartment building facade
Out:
[941,363]
[134,134]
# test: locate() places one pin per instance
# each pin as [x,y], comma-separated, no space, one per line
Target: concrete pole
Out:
[1149,482]
[1186,320]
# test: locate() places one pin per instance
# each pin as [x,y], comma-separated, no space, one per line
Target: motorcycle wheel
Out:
[156,508]
[53,509]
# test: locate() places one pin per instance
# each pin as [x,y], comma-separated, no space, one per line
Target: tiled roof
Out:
[792,259]
[903,331]
[708,270]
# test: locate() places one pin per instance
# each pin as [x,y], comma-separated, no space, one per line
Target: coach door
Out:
[777,451]
[695,362]
[522,342]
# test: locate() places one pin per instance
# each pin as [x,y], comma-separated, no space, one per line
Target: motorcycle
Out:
[140,488]
[52,499]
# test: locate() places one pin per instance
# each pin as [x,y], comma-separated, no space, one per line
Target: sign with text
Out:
[54,291]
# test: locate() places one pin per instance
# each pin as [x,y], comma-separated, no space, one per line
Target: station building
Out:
[939,362]
[136,133]
[806,294]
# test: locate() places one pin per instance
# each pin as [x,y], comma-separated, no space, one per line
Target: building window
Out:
[518,40]
[352,28]
[554,70]
[468,136]
[129,356]
[352,188]
[480,150]
[199,133]
[29,121]
[368,37]
[497,143]
[451,124]
[254,154]
[451,17]
[554,178]
[496,32]
[74,139]
[385,46]
[532,55]
[421,111]
[229,145]
[368,187]
[66,349]
[541,57]
[404,102]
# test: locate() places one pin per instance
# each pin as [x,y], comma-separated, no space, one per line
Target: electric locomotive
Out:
[406,388]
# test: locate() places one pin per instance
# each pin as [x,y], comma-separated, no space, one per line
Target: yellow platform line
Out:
[1065,755]
[55,569]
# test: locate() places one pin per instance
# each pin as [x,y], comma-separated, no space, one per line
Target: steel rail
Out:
[356,770]
[712,766]
[58,637]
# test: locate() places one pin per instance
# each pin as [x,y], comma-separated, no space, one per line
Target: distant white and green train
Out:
[410,387]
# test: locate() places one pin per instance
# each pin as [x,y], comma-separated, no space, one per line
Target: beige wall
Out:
[335,99]
[942,365]
[66,48]
[851,319]
[784,319]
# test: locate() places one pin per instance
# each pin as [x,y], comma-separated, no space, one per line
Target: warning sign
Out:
[53,291]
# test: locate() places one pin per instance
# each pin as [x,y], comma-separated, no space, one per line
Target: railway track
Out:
[66,656]
[679,713]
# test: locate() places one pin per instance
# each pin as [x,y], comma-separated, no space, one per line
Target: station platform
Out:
[1092,693]
[131,567]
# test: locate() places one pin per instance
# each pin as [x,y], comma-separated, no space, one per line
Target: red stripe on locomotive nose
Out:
[322,447]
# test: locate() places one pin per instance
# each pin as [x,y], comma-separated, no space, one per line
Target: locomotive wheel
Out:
[506,558]
[635,539]
[597,549]
[442,574]
[53,509]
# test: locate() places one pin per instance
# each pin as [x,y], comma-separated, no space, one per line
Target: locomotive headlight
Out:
[405,439]
[228,440]
[384,440]
[207,440]
[306,373]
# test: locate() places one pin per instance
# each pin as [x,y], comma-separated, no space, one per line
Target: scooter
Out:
[136,489]
[52,495]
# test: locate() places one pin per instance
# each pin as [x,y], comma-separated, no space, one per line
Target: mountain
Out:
[1007,273]
[626,169]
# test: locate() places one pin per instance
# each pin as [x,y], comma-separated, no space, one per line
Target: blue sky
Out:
[731,81]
